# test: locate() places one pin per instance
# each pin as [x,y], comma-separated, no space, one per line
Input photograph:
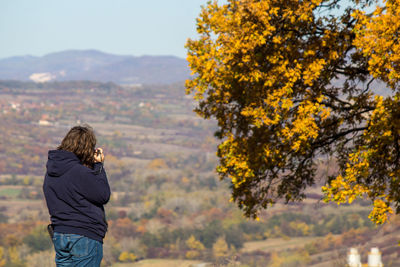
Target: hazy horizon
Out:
[90,49]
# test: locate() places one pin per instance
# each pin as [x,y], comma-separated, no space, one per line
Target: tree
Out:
[276,260]
[195,247]
[14,257]
[42,259]
[292,81]
[127,257]
[2,257]
[157,164]
[38,239]
[194,244]
[220,248]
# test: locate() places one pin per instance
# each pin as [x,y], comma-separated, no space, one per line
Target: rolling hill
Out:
[94,65]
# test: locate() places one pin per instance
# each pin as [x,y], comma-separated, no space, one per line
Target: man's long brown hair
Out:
[81,141]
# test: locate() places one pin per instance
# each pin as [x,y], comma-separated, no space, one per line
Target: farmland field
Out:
[168,205]
[277,244]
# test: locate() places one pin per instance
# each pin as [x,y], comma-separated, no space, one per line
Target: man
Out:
[76,188]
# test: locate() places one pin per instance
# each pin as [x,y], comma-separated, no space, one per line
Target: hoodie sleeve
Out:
[93,185]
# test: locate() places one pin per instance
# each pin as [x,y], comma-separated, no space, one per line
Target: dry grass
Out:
[158,263]
[277,244]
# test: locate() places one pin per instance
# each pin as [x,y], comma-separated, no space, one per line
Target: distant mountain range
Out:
[94,65]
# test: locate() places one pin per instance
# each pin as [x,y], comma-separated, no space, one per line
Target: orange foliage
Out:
[122,227]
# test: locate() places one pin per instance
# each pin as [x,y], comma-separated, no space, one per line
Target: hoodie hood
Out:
[60,161]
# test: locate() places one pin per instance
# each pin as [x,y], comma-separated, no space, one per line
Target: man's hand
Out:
[98,155]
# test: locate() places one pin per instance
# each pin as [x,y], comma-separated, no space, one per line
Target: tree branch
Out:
[331,139]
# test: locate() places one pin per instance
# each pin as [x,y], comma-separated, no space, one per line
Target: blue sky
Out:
[126,27]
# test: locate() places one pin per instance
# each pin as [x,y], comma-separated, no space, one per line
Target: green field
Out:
[10,192]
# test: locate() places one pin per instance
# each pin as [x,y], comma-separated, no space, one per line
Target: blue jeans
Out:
[76,250]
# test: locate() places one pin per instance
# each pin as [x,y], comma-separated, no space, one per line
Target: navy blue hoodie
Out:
[75,195]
